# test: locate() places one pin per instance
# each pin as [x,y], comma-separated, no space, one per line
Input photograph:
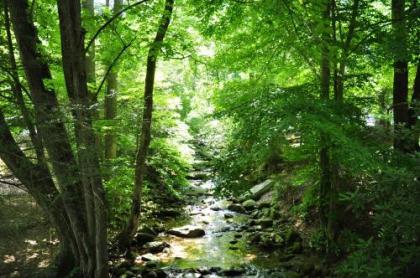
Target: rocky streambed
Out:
[220,238]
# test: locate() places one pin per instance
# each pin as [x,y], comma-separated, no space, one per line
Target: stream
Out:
[217,237]
[223,251]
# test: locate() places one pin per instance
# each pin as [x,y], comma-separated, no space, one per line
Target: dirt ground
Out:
[27,242]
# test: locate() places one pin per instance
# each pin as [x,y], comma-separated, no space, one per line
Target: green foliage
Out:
[169,165]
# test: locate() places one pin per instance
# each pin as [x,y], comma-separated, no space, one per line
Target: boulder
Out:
[149,257]
[260,189]
[236,208]
[143,238]
[198,175]
[235,271]
[228,215]
[155,246]
[249,204]
[168,213]
[187,232]
[265,222]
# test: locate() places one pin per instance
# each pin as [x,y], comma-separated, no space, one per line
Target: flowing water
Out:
[223,246]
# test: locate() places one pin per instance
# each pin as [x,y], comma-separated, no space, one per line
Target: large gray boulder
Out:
[260,189]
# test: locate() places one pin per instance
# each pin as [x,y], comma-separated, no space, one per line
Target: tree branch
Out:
[110,21]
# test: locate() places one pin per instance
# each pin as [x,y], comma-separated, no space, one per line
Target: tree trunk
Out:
[89,8]
[39,183]
[71,180]
[74,66]
[111,104]
[339,92]
[400,86]
[324,154]
[145,136]
[414,113]
[17,90]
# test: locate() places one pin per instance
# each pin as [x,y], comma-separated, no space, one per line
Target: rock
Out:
[244,197]
[149,257]
[155,246]
[187,232]
[264,205]
[249,204]
[191,275]
[254,214]
[204,271]
[224,229]
[236,208]
[143,238]
[149,274]
[270,240]
[236,271]
[198,175]
[228,215]
[160,273]
[260,189]
[215,269]
[265,222]
[168,213]
[196,191]
[215,208]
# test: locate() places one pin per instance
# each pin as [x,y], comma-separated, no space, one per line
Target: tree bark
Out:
[89,8]
[74,66]
[17,90]
[400,82]
[145,135]
[52,130]
[414,113]
[111,103]
[325,195]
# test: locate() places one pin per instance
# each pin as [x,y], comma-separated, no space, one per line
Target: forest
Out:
[209,138]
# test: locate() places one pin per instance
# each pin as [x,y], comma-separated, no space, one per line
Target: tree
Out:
[110,108]
[145,135]
[79,179]
[400,86]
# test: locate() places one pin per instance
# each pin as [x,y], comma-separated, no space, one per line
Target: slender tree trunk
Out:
[400,86]
[339,93]
[145,136]
[339,73]
[324,154]
[414,113]
[111,103]
[74,66]
[17,90]
[89,8]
